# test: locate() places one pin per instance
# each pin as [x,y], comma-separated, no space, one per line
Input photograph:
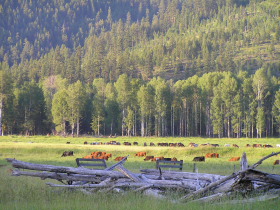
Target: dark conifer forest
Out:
[140,67]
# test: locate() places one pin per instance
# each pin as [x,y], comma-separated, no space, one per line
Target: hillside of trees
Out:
[140,67]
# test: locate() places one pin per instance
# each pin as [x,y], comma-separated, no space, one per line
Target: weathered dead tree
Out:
[196,186]
[245,180]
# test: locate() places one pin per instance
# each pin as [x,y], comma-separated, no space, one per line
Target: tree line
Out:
[83,40]
[217,104]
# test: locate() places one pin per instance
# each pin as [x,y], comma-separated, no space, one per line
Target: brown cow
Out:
[257,145]
[174,159]
[135,143]
[119,158]
[145,144]
[127,143]
[85,142]
[108,155]
[276,162]
[88,157]
[267,146]
[148,158]
[157,158]
[235,145]
[141,154]
[212,155]
[234,159]
[172,144]
[248,145]
[152,144]
[199,159]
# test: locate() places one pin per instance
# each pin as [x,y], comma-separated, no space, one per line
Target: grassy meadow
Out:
[33,193]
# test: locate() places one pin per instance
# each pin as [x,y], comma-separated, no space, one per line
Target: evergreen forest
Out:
[140,67]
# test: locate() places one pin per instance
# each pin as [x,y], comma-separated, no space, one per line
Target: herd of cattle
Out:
[178,144]
[106,156]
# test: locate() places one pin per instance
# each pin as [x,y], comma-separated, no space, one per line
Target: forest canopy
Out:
[140,67]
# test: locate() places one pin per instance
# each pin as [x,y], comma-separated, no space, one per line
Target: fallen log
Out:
[223,181]
[63,169]
[58,176]
[183,175]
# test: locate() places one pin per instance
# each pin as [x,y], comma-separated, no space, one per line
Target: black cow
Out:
[199,159]
[67,153]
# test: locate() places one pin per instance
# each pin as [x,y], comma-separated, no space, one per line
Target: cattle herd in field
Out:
[106,156]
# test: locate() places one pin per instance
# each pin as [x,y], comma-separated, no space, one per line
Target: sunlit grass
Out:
[32,193]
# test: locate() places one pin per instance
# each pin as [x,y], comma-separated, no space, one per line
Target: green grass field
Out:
[33,193]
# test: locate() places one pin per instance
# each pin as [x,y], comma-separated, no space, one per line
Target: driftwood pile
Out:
[195,186]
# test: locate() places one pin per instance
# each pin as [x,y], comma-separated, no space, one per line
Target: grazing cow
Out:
[152,144]
[67,153]
[215,145]
[135,143]
[257,145]
[172,144]
[174,159]
[141,154]
[248,145]
[180,145]
[234,159]
[199,159]
[204,145]
[119,158]
[127,143]
[68,142]
[277,145]
[109,155]
[193,144]
[145,144]
[157,158]
[212,155]
[276,162]
[235,145]
[267,146]
[163,144]
[88,157]
[104,157]
[85,142]
[148,158]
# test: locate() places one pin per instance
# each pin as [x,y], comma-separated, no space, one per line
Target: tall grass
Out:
[32,193]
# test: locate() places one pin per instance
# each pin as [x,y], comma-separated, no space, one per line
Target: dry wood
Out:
[63,169]
[244,162]
[57,176]
[128,173]
[183,175]
[117,164]
[116,185]
[254,175]
[211,186]
[207,188]
[140,189]
[151,181]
